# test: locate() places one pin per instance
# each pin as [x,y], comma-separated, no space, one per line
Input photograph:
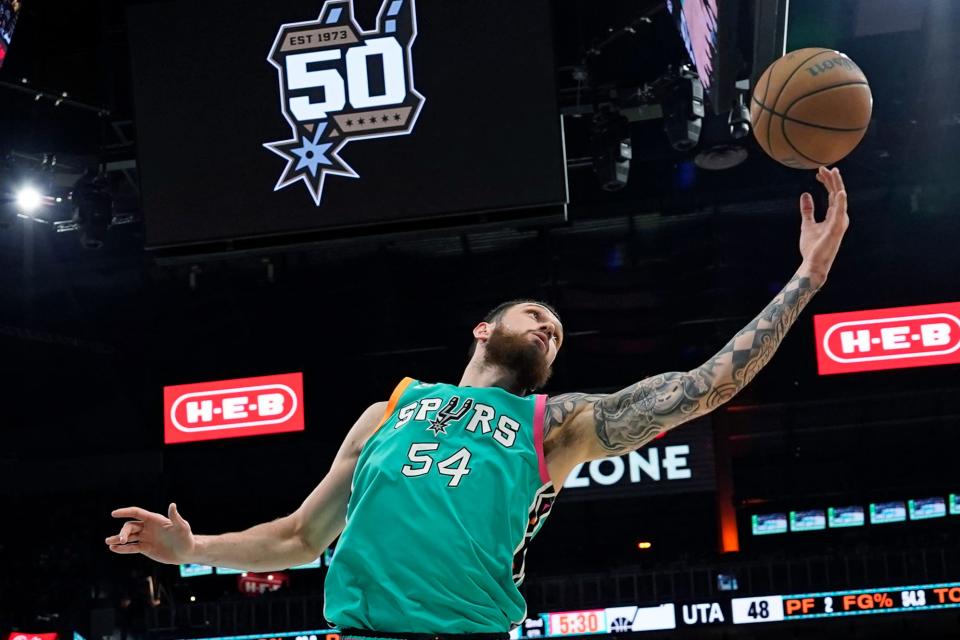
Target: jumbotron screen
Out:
[698,24]
[9,10]
[309,117]
[709,29]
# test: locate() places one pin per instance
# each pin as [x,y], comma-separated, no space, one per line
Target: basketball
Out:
[811,108]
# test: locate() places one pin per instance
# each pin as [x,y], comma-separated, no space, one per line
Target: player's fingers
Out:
[123,539]
[135,512]
[841,220]
[130,528]
[828,180]
[175,516]
[823,177]
[132,547]
[839,179]
[834,177]
[838,209]
[806,207]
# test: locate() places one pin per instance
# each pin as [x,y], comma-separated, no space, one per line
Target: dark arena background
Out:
[190,194]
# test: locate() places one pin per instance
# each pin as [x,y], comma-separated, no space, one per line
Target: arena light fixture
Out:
[612,149]
[28,199]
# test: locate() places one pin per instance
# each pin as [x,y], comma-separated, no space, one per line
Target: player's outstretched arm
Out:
[597,426]
[285,542]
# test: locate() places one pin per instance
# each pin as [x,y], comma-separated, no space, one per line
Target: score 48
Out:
[339,84]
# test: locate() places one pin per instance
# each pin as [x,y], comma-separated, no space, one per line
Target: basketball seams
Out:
[783,85]
[804,122]
[769,74]
[786,112]
[786,138]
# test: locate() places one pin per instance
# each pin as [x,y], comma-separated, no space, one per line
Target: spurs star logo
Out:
[339,84]
[446,415]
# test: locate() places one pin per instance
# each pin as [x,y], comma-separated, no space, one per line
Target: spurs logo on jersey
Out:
[476,416]
[339,83]
[439,423]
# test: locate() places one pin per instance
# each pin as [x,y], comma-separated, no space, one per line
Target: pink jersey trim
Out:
[538,415]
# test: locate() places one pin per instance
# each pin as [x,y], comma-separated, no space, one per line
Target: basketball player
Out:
[436,493]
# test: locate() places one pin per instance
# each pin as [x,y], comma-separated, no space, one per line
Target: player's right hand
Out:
[168,540]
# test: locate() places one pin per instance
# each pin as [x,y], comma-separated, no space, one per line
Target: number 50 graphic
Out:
[339,84]
[334,90]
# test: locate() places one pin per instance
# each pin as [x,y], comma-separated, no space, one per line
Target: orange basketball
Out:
[811,108]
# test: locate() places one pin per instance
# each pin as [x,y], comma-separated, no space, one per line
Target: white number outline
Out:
[445,467]
[414,456]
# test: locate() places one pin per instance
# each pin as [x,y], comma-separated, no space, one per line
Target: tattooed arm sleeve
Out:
[628,419]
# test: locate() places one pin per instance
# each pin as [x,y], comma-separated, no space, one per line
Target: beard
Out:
[518,355]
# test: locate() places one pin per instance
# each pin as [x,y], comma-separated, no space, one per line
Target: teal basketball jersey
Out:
[447,493]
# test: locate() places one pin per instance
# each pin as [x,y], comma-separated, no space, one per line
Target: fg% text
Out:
[867,601]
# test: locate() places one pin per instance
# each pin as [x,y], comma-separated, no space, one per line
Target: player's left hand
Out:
[820,241]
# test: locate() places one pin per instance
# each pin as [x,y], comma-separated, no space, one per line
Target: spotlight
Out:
[611,148]
[28,199]
[683,111]
[739,120]
[643,544]
[92,208]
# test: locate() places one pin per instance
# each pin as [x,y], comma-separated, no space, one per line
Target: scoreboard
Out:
[753,610]
[667,616]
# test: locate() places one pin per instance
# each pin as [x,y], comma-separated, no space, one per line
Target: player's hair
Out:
[497,312]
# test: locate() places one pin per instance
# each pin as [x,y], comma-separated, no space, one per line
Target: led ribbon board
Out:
[775,608]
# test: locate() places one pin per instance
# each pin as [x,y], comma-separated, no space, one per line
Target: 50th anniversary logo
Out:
[339,84]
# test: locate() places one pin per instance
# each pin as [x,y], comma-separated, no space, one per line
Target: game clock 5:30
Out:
[577,622]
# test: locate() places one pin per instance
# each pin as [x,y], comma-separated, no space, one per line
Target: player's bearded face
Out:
[517,353]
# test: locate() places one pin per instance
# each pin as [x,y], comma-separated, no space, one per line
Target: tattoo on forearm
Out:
[632,417]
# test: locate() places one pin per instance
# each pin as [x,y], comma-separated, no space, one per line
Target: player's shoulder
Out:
[365,426]
[373,415]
